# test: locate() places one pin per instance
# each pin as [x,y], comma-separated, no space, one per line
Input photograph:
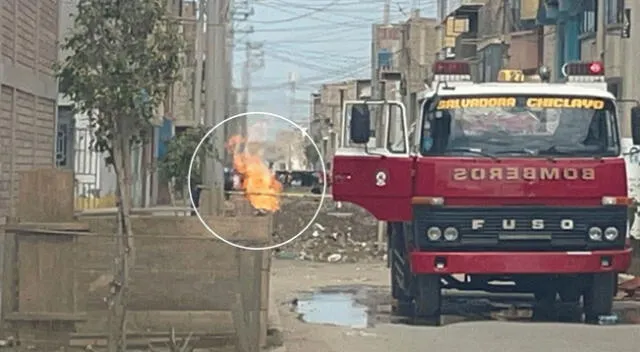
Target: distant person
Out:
[196,189]
[228,183]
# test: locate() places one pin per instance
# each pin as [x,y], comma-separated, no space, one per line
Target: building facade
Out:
[492,34]
[28,92]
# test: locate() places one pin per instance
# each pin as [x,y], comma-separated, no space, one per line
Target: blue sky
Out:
[318,40]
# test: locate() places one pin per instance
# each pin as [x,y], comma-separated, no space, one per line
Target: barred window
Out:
[589,17]
[614,11]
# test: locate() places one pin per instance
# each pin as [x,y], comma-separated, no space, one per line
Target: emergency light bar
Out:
[451,68]
[584,73]
[595,68]
[452,71]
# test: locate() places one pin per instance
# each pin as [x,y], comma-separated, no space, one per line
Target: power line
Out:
[297,17]
[338,74]
[323,55]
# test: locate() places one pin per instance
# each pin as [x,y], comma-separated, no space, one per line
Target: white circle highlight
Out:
[322,197]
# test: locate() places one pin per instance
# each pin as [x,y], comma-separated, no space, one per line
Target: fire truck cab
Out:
[500,187]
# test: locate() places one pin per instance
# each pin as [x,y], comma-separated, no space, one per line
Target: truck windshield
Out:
[527,126]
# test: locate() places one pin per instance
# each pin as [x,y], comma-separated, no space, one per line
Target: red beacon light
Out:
[594,68]
[451,68]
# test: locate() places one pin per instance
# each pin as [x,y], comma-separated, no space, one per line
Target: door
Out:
[376,176]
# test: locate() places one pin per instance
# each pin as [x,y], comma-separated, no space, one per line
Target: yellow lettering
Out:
[512,173]
[498,102]
[533,103]
[588,174]
[478,174]
[460,174]
[598,104]
[559,103]
[549,173]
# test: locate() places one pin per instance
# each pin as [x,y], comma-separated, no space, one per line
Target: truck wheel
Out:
[545,302]
[428,300]
[570,291]
[404,301]
[598,297]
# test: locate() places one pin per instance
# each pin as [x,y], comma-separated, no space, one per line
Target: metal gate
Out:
[87,170]
[64,138]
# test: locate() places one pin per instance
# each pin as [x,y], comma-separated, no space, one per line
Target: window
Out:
[521,19]
[521,125]
[614,11]
[588,19]
[396,142]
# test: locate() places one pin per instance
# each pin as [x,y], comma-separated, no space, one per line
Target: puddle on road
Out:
[334,308]
[363,306]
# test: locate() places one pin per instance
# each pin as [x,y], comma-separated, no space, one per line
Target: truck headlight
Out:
[595,234]
[450,234]
[434,233]
[611,233]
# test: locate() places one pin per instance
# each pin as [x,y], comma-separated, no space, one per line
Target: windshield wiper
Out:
[525,151]
[472,151]
[577,153]
[517,151]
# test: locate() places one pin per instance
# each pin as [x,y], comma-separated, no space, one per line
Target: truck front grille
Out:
[512,228]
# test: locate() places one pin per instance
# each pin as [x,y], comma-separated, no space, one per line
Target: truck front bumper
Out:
[520,262]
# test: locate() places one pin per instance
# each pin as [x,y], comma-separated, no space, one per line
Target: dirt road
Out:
[357,297]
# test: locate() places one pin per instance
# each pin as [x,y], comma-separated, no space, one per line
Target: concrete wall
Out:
[183,277]
[421,43]
[549,47]
[28,92]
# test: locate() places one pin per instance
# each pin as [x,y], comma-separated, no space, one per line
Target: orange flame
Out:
[260,185]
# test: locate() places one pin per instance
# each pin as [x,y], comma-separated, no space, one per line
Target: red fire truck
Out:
[502,186]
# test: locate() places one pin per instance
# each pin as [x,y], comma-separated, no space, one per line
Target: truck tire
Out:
[598,297]
[570,290]
[544,308]
[428,300]
[403,300]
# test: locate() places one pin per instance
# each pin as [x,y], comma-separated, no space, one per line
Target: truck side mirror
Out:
[635,124]
[360,125]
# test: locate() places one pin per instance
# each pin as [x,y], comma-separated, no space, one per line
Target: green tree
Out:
[174,165]
[125,55]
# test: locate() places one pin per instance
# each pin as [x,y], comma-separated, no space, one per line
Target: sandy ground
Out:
[461,331]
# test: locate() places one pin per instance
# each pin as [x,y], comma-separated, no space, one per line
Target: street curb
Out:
[275,331]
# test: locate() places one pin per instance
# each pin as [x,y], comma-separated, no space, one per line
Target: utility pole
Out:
[242,10]
[380,92]
[386,15]
[246,84]
[213,171]
[199,53]
[601,31]
[505,31]
[252,61]
[292,95]
[292,112]
[415,8]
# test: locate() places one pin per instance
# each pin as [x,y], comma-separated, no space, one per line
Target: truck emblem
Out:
[381,179]
[535,224]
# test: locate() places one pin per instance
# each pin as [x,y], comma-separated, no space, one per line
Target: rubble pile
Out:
[628,287]
[340,233]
